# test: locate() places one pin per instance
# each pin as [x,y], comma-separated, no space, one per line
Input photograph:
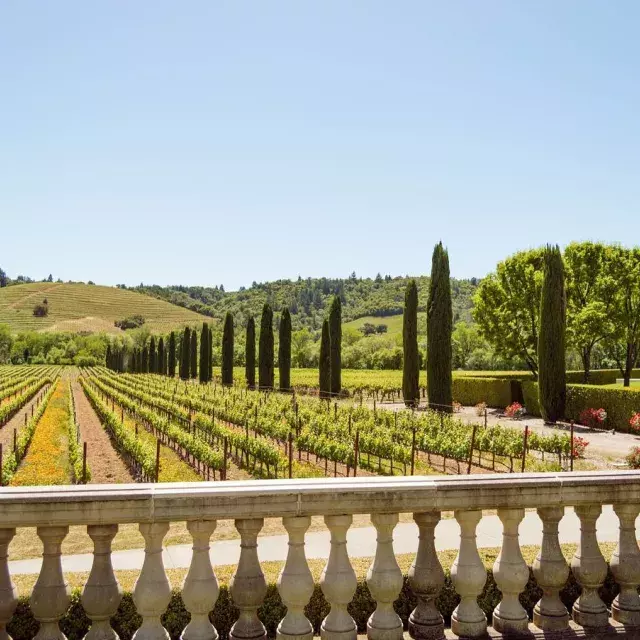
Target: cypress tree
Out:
[172,355]
[411,359]
[145,359]
[153,362]
[107,357]
[552,390]
[439,327]
[250,354]
[132,362]
[185,345]
[325,361]
[335,343]
[204,347]
[194,354]
[227,350]
[265,350]
[284,350]
[210,355]
[138,361]
[160,367]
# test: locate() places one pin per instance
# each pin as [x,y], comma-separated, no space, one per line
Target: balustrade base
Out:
[426,632]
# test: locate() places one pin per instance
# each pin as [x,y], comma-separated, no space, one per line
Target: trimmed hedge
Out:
[470,391]
[75,623]
[620,403]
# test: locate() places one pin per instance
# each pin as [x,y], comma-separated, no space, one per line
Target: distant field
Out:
[393,323]
[82,307]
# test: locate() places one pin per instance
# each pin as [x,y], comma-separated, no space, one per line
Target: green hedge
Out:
[75,623]
[470,391]
[620,403]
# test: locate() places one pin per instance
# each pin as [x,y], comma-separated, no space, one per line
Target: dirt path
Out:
[17,422]
[103,460]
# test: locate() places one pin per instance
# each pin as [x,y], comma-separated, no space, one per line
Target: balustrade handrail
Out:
[165,502]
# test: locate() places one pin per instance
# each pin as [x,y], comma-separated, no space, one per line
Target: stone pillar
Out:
[551,572]
[200,587]
[468,576]
[248,586]
[590,570]
[152,591]
[625,566]
[51,594]
[339,583]
[295,583]
[102,593]
[384,580]
[426,578]
[511,574]
[8,591]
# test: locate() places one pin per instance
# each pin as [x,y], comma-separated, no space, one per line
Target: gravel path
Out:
[103,460]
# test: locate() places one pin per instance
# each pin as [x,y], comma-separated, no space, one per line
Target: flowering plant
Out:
[481,407]
[633,457]
[579,446]
[515,410]
[635,421]
[593,417]
[457,407]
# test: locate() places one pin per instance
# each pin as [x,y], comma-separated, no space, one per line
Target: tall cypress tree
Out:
[194,354]
[250,354]
[552,389]
[265,352]
[161,369]
[210,355]
[335,337]
[325,361]
[284,350]
[411,360]
[171,359]
[204,347]
[227,350]
[153,367]
[145,359]
[107,357]
[439,327]
[185,347]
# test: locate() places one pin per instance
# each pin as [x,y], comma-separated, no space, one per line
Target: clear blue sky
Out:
[225,142]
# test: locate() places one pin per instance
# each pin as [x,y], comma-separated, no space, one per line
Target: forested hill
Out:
[308,299]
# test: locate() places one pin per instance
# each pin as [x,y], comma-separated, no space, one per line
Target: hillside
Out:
[83,307]
[308,299]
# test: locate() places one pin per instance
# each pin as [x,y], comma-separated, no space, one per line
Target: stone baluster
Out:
[551,572]
[511,574]
[625,566]
[426,578]
[338,583]
[468,576]
[51,594]
[248,586]
[200,588]
[152,591]
[295,583]
[384,580]
[102,593]
[590,570]
[8,591]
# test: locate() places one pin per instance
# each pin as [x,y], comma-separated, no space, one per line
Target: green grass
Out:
[82,307]
[393,323]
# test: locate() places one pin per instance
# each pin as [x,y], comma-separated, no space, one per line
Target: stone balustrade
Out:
[51,510]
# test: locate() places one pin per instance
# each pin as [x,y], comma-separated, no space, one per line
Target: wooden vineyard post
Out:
[524,447]
[15,444]
[290,454]
[571,459]
[485,417]
[1,464]
[224,459]
[357,453]
[157,460]
[413,451]
[473,442]
[84,463]
[25,418]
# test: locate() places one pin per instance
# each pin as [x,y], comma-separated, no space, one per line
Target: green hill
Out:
[84,307]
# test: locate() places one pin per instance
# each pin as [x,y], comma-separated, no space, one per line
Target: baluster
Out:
[590,570]
[200,588]
[338,583]
[295,583]
[152,591]
[468,576]
[625,566]
[551,572]
[51,594]
[384,580]
[511,574]
[426,578]
[102,593]
[8,591]
[248,586]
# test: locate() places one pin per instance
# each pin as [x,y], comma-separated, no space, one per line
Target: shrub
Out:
[481,407]
[593,418]
[515,410]
[579,446]
[634,422]
[130,322]
[457,407]
[633,458]
[492,391]
[41,309]
[618,403]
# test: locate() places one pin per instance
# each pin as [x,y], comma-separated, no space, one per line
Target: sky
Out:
[221,142]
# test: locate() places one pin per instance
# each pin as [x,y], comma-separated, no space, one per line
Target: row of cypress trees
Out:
[330,365]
